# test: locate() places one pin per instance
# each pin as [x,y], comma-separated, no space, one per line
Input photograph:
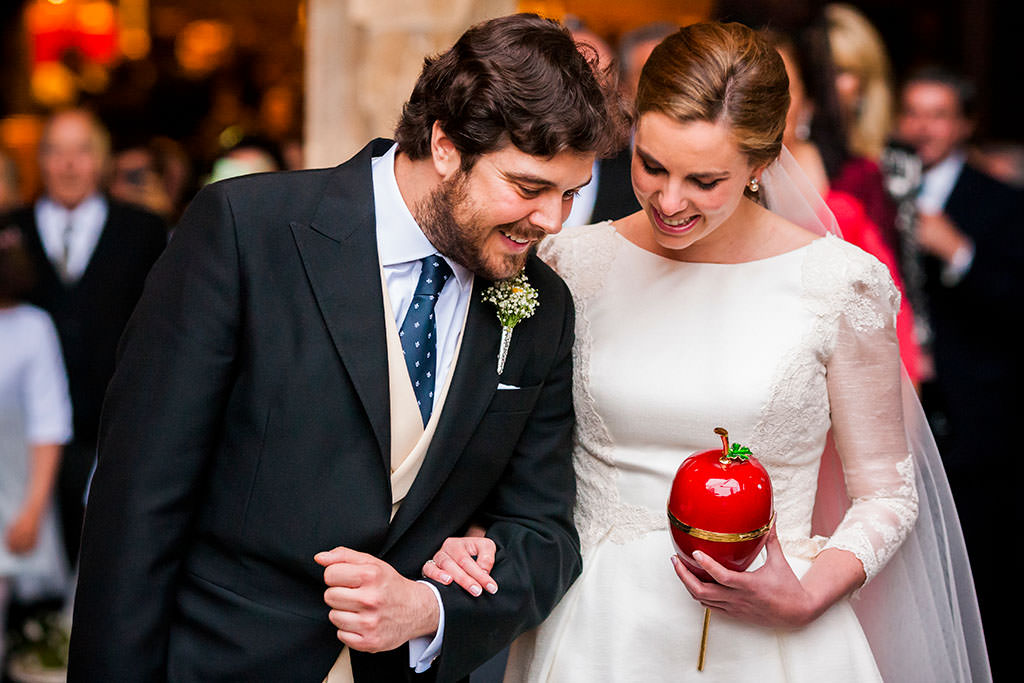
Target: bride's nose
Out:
[673,199]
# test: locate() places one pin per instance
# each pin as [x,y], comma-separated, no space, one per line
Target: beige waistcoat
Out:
[409,438]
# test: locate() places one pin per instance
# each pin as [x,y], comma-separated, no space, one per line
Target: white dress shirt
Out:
[401,244]
[583,204]
[85,223]
[938,181]
[937,184]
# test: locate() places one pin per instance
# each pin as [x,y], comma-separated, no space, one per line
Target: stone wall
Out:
[362,59]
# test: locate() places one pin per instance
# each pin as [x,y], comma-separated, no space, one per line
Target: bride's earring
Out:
[754,185]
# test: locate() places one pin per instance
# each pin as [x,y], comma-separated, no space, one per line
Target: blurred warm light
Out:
[231,136]
[554,9]
[93,78]
[134,43]
[203,45]
[88,26]
[612,18]
[53,84]
[94,17]
[97,30]
[19,136]
[133,28]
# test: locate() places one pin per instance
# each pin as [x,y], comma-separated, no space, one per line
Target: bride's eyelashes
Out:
[658,170]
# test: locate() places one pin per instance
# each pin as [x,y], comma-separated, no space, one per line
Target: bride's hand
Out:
[771,595]
[466,560]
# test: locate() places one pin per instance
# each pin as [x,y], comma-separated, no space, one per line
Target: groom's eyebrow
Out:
[530,179]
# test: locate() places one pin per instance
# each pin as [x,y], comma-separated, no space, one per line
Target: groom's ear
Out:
[443,153]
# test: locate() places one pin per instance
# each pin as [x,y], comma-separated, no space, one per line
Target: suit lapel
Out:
[339,252]
[962,200]
[473,385]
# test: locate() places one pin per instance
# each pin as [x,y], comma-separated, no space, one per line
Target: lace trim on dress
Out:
[582,257]
[796,416]
[843,283]
[892,516]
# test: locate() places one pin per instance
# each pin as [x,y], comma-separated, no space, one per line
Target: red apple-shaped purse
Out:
[720,504]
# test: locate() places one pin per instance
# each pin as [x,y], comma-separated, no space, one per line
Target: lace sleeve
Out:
[863,379]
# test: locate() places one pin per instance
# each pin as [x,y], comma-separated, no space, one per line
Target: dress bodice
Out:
[668,350]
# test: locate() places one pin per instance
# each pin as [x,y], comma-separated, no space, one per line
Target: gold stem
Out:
[721,431]
[704,639]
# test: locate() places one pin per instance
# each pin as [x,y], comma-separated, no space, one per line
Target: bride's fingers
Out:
[719,573]
[773,549]
[693,584]
[708,594]
[465,572]
[484,549]
[431,570]
[479,562]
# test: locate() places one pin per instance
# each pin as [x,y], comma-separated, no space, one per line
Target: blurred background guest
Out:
[134,180]
[863,79]
[969,229]
[91,255]
[816,135]
[10,191]
[155,174]
[250,155]
[610,191]
[35,421]
[634,48]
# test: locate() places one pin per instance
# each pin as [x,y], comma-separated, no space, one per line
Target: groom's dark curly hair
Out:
[519,79]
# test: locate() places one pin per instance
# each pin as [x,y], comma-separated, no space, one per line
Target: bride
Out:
[709,308]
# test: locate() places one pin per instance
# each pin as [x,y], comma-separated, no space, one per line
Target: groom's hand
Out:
[373,606]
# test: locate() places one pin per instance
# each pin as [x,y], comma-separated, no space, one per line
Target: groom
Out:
[312,367]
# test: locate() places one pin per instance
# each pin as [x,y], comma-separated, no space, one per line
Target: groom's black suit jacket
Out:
[247,428]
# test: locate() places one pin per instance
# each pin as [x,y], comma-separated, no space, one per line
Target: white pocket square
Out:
[506,387]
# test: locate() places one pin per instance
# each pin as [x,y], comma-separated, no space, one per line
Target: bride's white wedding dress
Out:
[778,351]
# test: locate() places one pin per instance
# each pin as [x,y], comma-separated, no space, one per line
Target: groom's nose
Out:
[548,213]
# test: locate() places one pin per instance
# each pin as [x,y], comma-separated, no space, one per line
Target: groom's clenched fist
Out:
[373,606]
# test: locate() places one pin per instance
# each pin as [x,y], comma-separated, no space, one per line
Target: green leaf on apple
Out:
[738,452]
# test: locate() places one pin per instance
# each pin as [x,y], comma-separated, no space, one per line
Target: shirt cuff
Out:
[423,650]
[954,271]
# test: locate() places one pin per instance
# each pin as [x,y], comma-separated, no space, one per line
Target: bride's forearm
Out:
[834,574]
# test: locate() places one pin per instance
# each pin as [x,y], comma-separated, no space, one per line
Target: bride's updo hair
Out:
[715,71]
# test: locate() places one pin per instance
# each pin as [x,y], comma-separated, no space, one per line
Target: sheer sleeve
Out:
[863,379]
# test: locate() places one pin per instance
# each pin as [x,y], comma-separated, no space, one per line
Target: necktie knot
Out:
[434,274]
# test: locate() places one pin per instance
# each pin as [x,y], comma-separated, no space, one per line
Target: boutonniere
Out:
[515,300]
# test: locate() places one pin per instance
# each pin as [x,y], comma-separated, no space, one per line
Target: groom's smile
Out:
[489,217]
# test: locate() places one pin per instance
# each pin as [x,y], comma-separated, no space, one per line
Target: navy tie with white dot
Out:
[418,332]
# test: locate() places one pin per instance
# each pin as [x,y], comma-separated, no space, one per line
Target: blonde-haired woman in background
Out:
[863,80]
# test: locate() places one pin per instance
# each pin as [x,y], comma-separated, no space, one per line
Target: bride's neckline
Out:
[765,259]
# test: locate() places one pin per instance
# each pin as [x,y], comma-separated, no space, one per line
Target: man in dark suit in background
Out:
[91,256]
[609,194]
[259,415]
[970,232]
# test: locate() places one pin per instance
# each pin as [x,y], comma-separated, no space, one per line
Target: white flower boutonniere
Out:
[516,300]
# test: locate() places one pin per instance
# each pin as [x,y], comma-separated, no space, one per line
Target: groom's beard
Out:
[467,239]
